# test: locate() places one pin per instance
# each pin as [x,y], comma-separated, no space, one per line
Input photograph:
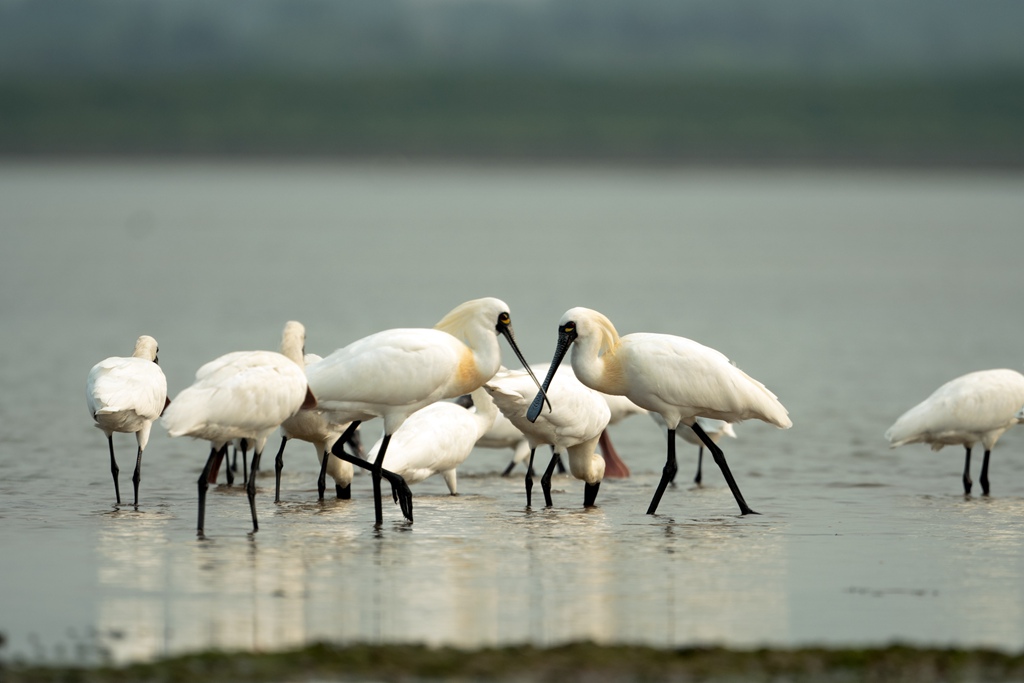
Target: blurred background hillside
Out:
[881,82]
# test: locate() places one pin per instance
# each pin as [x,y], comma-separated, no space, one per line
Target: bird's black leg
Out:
[668,473]
[278,466]
[375,472]
[400,491]
[338,448]
[245,463]
[508,470]
[724,466]
[558,463]
[967,471]
[529,479]
[229,471]
[204,484]
[137,476]
[590,494]
[700,462]
[250,485]
[984,473]
[113,468]
[545,480]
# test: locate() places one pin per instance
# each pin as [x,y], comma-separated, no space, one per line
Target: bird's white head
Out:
[472,315]
[147,348]
[466,320]
[586,322]
[576,322]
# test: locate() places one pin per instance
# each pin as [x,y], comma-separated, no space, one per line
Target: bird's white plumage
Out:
[245,394]
[242,395]
[676,377]
[394,373]
[673,376]
[573,426]
[437,439]
[620,406]
[976,407]
[503,434]
[127,394]
[322,429]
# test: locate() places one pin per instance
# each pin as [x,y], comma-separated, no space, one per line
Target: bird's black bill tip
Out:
[538,404]
[510,337]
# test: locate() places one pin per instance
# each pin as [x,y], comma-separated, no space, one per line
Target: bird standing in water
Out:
[127,395]
[978,406]
[673,376]
[394,373]
[241,395]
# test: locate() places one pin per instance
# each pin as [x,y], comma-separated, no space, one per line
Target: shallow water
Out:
[852,295]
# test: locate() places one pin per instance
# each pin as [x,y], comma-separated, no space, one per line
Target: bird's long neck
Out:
[486,410]
[596,369]
[291,348]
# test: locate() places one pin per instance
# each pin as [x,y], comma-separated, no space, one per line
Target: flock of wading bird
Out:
[404,376]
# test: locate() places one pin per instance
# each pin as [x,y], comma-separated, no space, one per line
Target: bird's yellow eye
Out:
[504,319]
[569,328]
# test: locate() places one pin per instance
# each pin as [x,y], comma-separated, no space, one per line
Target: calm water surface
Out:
[851,295]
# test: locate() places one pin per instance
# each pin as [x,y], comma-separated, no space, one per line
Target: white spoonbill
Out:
[978,406]
[673,376]
[715,429]
[127,395]
[437,439]
[394,373]
[504,434]
[319,428]
[241,395]
[578,417]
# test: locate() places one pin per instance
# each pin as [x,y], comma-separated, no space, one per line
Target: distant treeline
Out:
[670,118]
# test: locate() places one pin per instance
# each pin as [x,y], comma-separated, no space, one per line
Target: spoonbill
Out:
[978,406]
[437,439]
[394,373]
[322,430]
[578,417]
[715,429]
[673,376]
[504,434]
[127,395]
[241,395]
